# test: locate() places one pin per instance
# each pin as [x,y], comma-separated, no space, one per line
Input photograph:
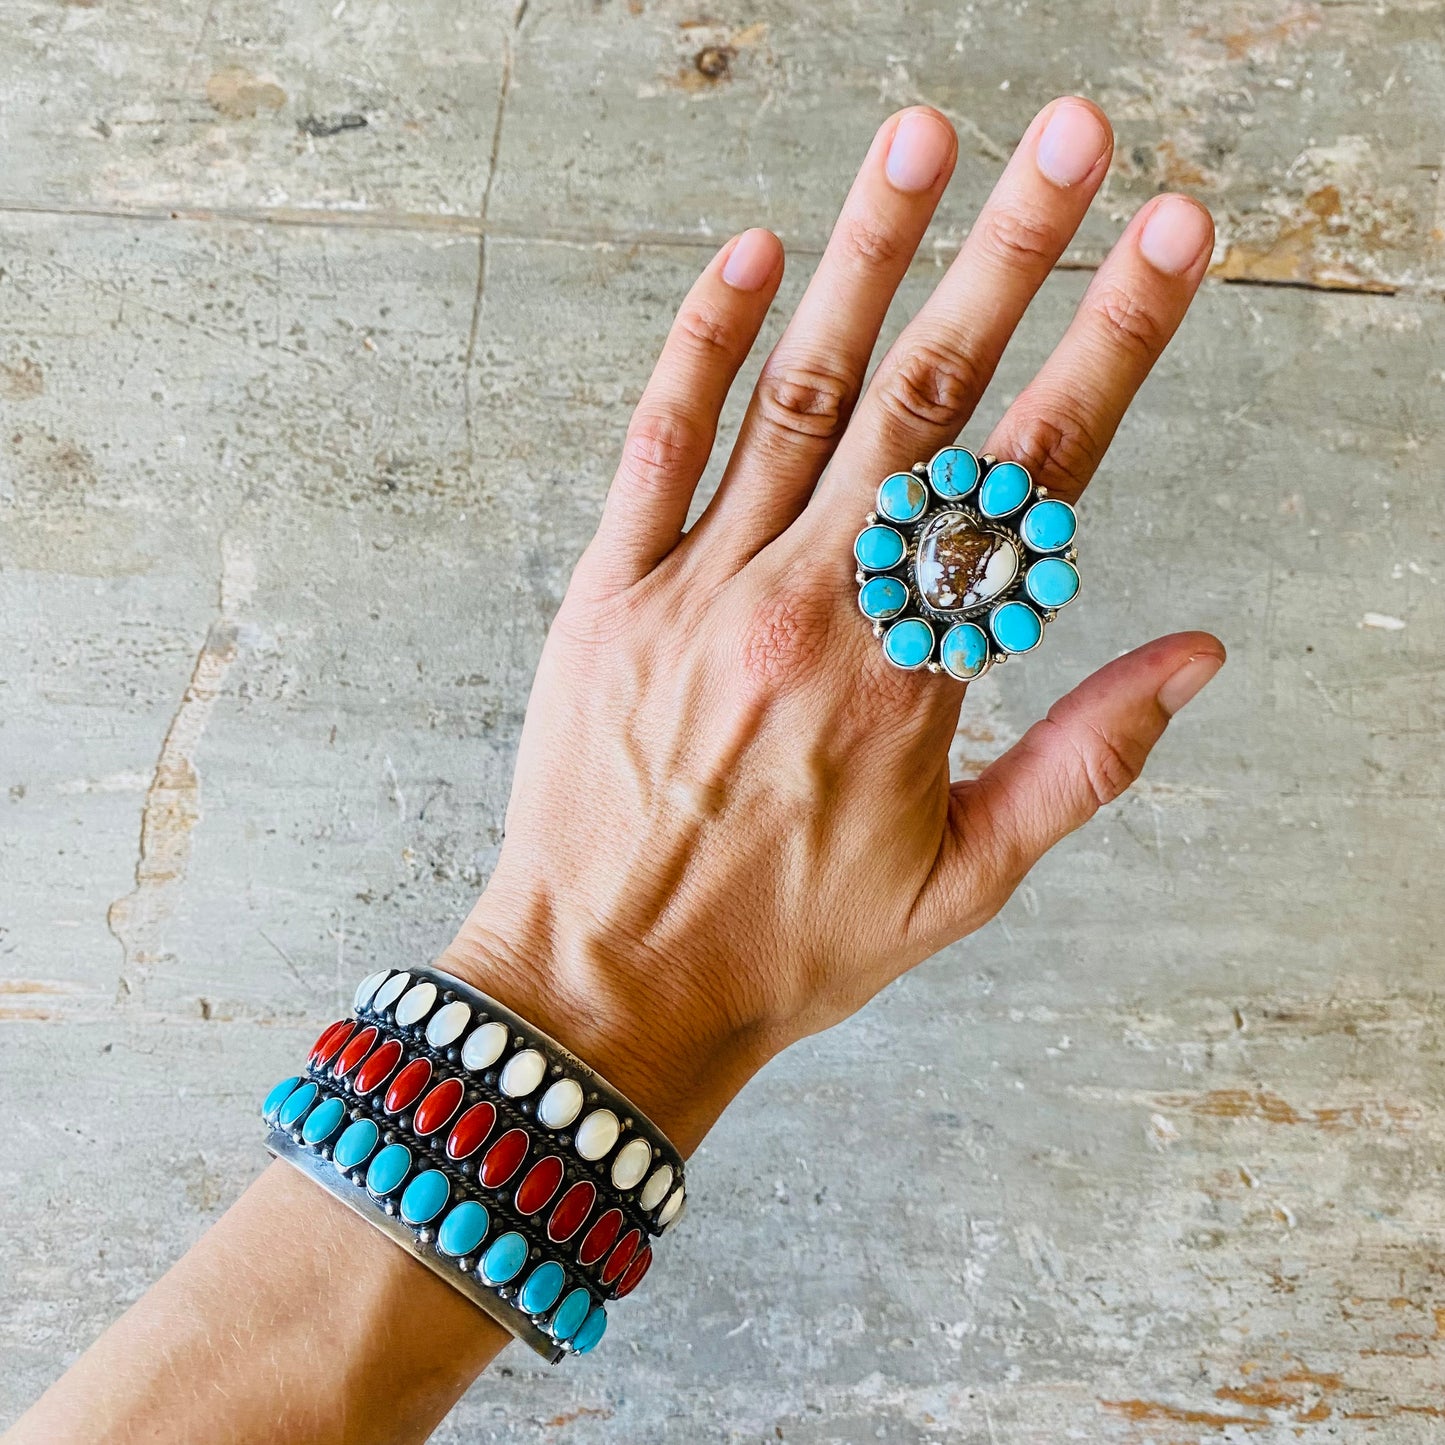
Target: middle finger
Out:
[812,378]
[928,384]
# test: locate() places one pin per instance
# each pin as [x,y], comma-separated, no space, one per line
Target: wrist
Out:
[629,1017]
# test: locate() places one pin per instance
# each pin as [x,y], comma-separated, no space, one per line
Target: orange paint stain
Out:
[1152,1411]
[1270,1108]
[569,1417]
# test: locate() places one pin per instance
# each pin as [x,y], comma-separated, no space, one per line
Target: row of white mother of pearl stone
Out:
[521,1075]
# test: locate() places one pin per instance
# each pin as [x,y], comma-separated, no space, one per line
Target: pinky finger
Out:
[671,434]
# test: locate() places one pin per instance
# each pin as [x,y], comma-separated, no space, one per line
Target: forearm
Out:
[294,1319]
[291,1319]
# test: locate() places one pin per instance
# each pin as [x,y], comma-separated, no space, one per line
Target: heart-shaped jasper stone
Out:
[960,565]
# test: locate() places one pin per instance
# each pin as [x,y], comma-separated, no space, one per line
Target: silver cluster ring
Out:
[963,563]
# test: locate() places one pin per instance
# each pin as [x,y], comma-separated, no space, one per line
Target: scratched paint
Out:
[172,805]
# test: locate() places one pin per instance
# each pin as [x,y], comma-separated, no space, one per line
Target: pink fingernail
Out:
[752,261]
[1188,682]
[1175,234]
[1071,144]
[920,149]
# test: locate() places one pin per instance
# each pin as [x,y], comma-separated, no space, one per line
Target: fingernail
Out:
[1071,144]
[752,260]
[1188,682]
[1175,234]
[920,150]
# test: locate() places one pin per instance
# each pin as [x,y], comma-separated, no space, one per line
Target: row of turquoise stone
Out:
[954,473]
[964,651]
[903,498]
[509,1120]
[298,1107]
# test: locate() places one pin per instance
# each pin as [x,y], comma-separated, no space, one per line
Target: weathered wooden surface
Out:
[300,434]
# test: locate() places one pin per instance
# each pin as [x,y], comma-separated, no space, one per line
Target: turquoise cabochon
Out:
[902,497]
[1005,489]
[1052,583]
[964,651]
[909,643]
[878,548]
[953,473]
[1048,526]
[882,598]
[1016,626]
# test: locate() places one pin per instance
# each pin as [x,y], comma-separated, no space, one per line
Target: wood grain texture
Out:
[290,485]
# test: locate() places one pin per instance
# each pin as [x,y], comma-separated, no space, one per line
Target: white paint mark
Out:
[1382,621]
[111,783]
[1322,690]
[395,791]
[1162,1131]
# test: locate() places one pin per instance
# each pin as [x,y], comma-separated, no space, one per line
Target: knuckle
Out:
[784,636]
[660,451]
[1107,767]
[707,330]
[1019,237]
[935,385]
[805,400]
[1128,322]
[1061,448]
[869,240]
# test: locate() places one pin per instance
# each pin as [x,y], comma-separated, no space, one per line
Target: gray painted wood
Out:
[287,500]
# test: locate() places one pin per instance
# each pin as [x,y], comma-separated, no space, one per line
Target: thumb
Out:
[1084,754]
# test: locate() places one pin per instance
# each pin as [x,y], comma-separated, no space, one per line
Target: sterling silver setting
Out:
[963,562]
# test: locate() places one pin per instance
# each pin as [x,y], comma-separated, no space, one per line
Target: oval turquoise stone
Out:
[426,1196]
[1016,626]
[278,1096]
[505,1258]
[908,643]
[323,1121]
[298,1101]
[1005,489]
[1052,583]
[570,1314]
[902,497]
[388,1169]
[878,548]
[882,597]
[953,472]
[355,1145]
[464,1228]
[1049,526]
[964,651]
[592,1328]
[543,1286]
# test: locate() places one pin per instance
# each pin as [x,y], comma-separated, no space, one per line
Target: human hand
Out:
[732,820]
